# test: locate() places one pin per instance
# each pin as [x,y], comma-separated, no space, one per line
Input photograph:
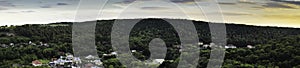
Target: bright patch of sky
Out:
[283,13]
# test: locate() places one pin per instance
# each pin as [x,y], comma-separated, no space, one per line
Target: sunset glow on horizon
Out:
[280,13]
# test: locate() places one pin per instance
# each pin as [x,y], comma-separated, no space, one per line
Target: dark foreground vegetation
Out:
[275,47]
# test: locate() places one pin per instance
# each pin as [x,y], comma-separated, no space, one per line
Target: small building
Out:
[133,51]
[250,46]
[11,44]
[90,57]
[77,60]
[200,43]
[105,55]
[205,46]
[68,63]
[159,61]
[52,64]
[212,45]
[46,45]
[36,63]
[113,53]
[60,61]
[98,62]
[69,57]
[230,46]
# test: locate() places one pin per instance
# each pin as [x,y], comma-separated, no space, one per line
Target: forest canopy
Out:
[275,47]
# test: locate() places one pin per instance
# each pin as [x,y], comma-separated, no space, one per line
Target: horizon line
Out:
[45,23]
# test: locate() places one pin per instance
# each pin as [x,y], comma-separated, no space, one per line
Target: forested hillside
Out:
[274,46]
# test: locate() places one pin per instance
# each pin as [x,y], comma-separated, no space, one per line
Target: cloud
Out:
[62,4]
[235,13]
[248,1]
[277,5]
[234,2]
[2,8]
[182,1]
[297,2]
[154,8]
[27,11]
[24,11]
[45,6]
[6,4]
[223,3]
[3,1]
[125,2]
[174,1]
[11,12]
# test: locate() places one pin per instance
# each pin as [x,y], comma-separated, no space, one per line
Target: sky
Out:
[281,13]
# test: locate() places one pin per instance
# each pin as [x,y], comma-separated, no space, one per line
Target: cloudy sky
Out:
[283,13]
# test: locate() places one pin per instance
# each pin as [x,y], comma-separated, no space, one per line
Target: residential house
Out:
[36,63]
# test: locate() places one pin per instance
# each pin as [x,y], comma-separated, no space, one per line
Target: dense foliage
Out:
[274,46]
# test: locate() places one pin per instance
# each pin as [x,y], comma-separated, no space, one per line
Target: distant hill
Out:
[275,47]
[238,34]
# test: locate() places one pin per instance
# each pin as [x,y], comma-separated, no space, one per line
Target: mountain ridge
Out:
[162,19]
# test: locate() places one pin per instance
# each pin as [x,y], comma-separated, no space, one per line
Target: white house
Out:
[133,50]
[200,43]
[113,53]
[205,46]
[90,57]
[250,46]
[98,62]
[230,46]
[69,57]
[159,61]
[77,60]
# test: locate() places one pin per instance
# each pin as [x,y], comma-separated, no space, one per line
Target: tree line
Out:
[275,47]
